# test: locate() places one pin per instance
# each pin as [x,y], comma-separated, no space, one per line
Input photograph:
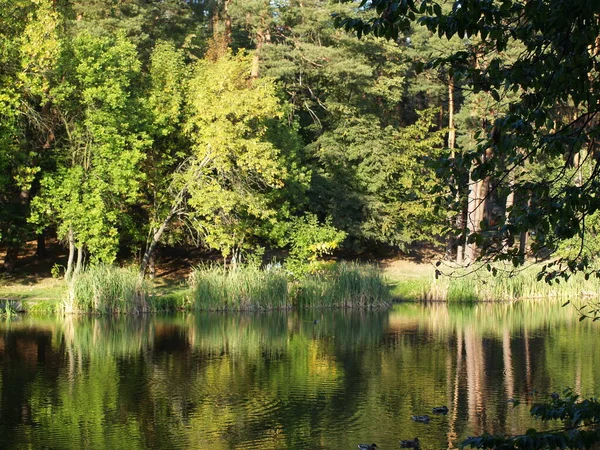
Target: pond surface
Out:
[278,380]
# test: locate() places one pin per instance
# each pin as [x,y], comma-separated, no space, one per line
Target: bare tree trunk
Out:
[41,245]
[460,248]
[451,129]
[176,208]
[79,264]
[451,144]
[510,201]
[227,33]
[69,270]
[261,36]
[472,227]
[149,254]
[476,209]
[524,237]
[11,257]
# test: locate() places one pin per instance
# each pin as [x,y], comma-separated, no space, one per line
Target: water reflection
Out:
[279,380]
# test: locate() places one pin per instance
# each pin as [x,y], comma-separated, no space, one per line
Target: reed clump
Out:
[250,288]
[344,285]
[106,289]
[243,288]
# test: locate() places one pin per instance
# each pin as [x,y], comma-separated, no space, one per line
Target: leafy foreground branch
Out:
[580,429]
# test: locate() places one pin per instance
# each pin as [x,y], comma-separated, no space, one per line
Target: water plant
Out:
[7,309]
[242,288]
[106,289]
[250,288]
[508,284]
[343,285]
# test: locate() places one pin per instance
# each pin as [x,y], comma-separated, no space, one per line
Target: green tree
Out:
[98,162]
[226,188]
[28,55]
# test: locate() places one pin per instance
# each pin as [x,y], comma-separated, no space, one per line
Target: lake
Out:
[280,380]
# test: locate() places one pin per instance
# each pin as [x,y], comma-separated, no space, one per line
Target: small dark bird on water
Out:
[440,410]
[422,419]
[315,322]
[410,443]
[367,446]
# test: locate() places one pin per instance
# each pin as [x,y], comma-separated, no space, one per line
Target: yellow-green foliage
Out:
[234,167]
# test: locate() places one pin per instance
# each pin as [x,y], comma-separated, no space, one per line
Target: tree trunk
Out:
[149,254]
[41,245]
[256,57]
[69,270]
[460,248]
[524,235]
[79,264]
[451,144]
[478,194]
[470,251]
[510,201]
[451,129]
[261,37]
[227,33]
[11,257]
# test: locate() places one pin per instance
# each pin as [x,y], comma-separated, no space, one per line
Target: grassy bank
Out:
[417,283]
[115,290]
[108,289]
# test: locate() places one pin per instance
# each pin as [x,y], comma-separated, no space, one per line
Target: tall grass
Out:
[243,288]
[509,285]
[249,288]
[106,289]
[346,285]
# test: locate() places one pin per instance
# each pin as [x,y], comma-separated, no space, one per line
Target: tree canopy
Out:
[540,136]
[467,125]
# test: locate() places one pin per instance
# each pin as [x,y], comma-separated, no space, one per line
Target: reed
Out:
[509,285]
[106,289]
[345,285]
[244,288]
[249,288]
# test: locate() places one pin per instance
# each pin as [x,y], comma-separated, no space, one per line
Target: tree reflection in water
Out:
[277,380]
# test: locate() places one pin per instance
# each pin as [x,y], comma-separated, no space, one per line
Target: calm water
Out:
[221,381]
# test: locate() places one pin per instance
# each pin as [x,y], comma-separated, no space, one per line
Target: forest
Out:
[294,140]
[247,126]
